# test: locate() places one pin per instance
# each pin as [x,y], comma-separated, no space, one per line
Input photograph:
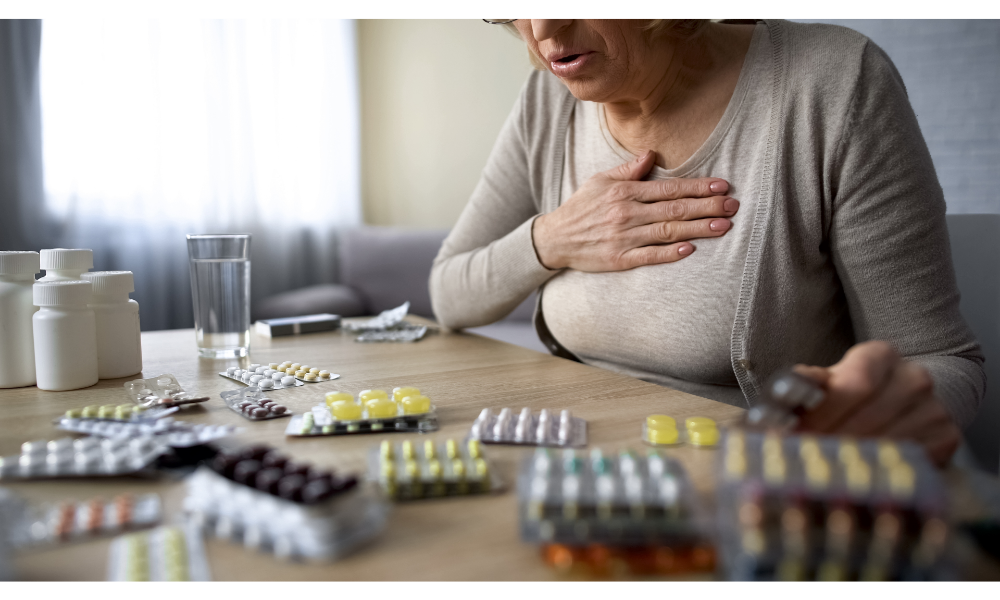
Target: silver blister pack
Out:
[252,403]
[160,391]
[404,333]
[528,429]
[274,376]
[176,434]
[58,523]
[387,319]
[84,457]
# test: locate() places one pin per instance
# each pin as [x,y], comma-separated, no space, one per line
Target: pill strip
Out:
[176,434]
[162,391]
[84,457]
[662,430]
[414,470]
[163,554]
[528,429]
[253,404]
[121,412]
[320,422]
[628,499]
[277,376]
[78,521]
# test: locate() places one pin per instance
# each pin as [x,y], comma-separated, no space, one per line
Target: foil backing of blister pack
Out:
[160,391]
[324,424]
[528,429]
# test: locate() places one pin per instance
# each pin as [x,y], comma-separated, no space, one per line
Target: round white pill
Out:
[277,376]
[268,372]
[85,444]
[260,370]
[246,376]
[231,370]
[287,380]
[60,445]
[254,366]
[256,378]
[266,384]
[34,447]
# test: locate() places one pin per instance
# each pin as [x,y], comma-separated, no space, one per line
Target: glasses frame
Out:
[502,22]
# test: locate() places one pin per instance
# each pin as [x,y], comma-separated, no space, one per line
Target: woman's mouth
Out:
[571,64]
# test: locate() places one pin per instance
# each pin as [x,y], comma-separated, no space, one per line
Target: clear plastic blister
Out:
[625,499]
[252,403]
[277,376]
[176,434]
[413,470]
[372,412]
[169,553]
[70,521]
[527,429]
[162,391]
[826,508]
[83,457]
[661,430]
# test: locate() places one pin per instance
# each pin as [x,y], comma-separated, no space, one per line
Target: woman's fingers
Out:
[686,209]
[674,189]
[908,386]
[654,255]
[668,232]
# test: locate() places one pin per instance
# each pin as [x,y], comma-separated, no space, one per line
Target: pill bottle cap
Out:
[110,282]
[62,258]
[18,263]
[62,293]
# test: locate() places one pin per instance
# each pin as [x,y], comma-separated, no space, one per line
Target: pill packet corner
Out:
[253,404]
[160,391]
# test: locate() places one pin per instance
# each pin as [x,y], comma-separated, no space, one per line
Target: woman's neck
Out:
[674,105]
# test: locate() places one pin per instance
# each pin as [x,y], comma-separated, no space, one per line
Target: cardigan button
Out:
[745,364]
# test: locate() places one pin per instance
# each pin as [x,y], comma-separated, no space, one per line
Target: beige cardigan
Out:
[849,190]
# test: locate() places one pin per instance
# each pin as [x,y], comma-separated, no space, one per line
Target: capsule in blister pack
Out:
[372,412]
[162,391]
[661,430]
[628,499]
[176,434]
[83,457]
[564,431]
[786,395]
[120,412]
[598,561]
[252,403]
[276,376]
[261,498]
[70,521]
[827,508]
[413,470]
[174,553]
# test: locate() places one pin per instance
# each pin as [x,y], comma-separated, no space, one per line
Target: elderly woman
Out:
[700,204]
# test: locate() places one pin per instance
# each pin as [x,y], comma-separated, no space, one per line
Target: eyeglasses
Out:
[499,21]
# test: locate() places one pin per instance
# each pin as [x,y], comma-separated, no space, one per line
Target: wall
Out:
[434,94]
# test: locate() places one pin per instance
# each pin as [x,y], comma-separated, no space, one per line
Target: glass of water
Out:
[220,289]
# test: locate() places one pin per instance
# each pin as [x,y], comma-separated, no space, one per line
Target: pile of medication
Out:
[276,376]
[78,521]
[261,498]
[83,457]
[253,404]
[120,412]
[530,430]
[823,508]
[661,430]
[163,554]
[411,470]
[176,434]
[624,499]
[162,391]
[373,411]
[610,562]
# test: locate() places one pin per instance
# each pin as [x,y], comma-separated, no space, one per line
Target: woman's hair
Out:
[683,29]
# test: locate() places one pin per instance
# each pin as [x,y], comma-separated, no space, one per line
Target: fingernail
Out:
[719,225]
[731,205]
[685,249]
[719,187]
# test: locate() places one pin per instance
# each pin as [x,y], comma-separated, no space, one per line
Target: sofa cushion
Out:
[327,298]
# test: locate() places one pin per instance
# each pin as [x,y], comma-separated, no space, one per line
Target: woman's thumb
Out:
[634,170]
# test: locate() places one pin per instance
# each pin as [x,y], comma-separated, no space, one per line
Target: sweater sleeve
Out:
[889,240]
[488,264]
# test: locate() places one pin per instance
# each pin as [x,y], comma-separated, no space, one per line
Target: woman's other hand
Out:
[872,392]
[616,222]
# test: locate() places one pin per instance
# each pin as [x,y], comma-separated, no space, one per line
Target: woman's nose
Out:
[543,29]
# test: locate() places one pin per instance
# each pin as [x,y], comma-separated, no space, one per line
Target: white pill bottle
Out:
[65,336]
[62,264]
[119,348]
[17,344]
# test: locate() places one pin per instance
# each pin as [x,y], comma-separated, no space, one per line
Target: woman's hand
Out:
[872,391]
[616,222]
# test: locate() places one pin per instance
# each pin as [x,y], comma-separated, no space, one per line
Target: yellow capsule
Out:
[305,368]
[408,452]
[138,408]
[429,451]
[665,436]
[402,392]
[123,413]
[412,470]
[848,452]
[74,413]
[385,449]
[89,412]
[299,373]
[703,437]
[367,395]
[475,450]
[272,366]
[888,454]
[435,469]
[324,374]
[660,422]
[772,445]
[388,470]
[902,480]
[817,473]
[415,405]
[859,477]
[458,468]
[310,376]
[314,370]
[482,468]
[107,411]
[774,469]
[809,448]
[736,441]
[451,449]
[736,465]
[692,423]
[290,371]
[332,397]
[381,408]
[345,410]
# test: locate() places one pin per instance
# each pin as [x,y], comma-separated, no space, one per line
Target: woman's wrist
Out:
[539,238]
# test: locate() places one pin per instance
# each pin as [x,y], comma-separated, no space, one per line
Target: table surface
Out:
[472,538]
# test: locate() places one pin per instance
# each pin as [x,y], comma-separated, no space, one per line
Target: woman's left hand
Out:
[873,392]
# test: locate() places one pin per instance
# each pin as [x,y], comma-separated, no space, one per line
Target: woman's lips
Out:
[571,67]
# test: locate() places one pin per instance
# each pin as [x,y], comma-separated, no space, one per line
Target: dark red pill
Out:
[290,487]
[246,472]
[267,480]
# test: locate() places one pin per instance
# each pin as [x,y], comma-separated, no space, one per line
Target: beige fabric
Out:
[847,239]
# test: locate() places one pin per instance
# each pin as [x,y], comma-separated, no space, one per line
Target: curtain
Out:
[154,129]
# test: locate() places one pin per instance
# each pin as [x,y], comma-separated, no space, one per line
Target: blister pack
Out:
[566,431]
[162,391]
[47,524]
[372,412]
[252,403]
[386,320]
[176,434]
[784,397]
[259,497]
[276,376]
[83,457]
[121,412]
[577,498]
[410,471]
[826,508]
[388,326]
[174,553]
[612,562]
[661,430]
